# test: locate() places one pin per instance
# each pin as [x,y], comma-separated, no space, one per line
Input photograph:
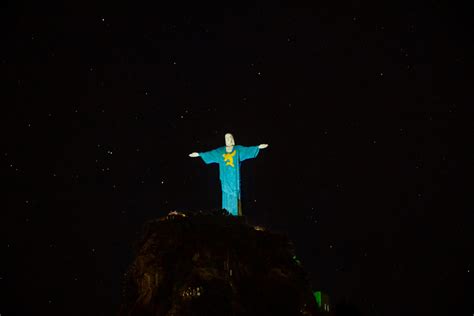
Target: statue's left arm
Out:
[250,152]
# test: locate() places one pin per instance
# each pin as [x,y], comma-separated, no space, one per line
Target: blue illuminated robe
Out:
[229,172]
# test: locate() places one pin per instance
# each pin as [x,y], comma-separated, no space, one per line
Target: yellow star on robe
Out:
[229,159]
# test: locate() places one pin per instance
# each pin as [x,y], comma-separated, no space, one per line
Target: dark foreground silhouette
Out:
[214,264]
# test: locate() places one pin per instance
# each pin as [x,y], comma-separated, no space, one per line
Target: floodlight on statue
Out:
[229,158]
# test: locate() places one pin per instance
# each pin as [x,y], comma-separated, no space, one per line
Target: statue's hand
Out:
[263,146]
[194,154]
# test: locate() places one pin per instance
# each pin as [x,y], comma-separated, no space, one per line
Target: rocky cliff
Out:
[210,263]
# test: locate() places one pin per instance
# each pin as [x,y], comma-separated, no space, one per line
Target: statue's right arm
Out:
[194,154]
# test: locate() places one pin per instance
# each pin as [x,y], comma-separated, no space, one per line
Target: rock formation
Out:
[210,263]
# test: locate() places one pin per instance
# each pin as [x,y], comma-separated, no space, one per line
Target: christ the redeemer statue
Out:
[229,157]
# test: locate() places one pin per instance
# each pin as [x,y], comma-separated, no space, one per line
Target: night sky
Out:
[362,105]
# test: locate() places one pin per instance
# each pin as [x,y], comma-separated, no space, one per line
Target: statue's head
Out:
[229,140]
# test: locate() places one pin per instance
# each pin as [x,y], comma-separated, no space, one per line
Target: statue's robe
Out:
[229,172]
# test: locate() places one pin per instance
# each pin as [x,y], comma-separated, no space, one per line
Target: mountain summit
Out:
[211,263]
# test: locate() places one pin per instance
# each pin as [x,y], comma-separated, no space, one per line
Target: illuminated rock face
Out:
[214,264]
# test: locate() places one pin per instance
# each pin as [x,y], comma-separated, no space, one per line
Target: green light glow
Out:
[317,296]
[296,260]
